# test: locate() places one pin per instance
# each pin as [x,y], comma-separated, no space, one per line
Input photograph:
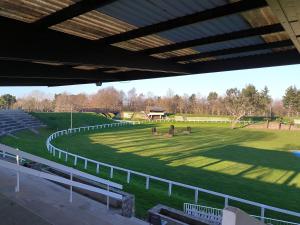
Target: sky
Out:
[277,79]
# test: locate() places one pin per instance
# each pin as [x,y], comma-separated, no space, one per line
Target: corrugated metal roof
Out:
[31,10]
[146,12]
[207,28]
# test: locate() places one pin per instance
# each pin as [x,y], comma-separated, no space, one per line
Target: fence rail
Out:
[213,216]
[227,198]
[20,156]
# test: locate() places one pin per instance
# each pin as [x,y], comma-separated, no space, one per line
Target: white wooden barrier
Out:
[227,198]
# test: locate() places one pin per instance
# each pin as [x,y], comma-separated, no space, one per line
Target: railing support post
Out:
[71,188]
[170,189]
[97,168]
[85,164]
[262,214]
[107,198]
[66,158]
[226,201]
[147,183]
[128,177]
[111,172]
[75,160]
[196,196]
[17,189]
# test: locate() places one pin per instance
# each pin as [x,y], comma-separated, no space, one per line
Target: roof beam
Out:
[248,48]
[71,11]
[218,38]
[281,58]
[41,82]
[213,13]
[12,71]
[288,14]
[20,40]
[19,69]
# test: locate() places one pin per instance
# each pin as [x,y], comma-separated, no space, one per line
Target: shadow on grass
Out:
[260,175]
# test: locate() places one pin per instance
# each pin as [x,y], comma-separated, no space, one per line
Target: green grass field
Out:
[253,164]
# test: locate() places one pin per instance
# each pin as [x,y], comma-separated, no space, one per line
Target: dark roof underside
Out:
[50,42]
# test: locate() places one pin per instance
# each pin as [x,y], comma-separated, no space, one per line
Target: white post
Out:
[66,158]
[262,214]
[128,177]
[196,196]
[226,201]
[85,164]
[59,154]
[111,172]
[17,189]
[97,168]
[170,189]
[71,188]
[107,198]
[75,160]
[147,183]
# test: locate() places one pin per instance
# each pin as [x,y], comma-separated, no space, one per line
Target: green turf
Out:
[253,164]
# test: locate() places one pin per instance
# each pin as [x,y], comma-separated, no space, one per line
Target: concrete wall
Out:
[235,216]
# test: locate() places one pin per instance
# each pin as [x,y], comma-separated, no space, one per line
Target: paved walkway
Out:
[49,204]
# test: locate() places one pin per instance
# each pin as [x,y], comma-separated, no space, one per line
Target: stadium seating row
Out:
[15,120]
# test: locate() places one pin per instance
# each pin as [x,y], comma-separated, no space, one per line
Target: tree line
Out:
[248,101]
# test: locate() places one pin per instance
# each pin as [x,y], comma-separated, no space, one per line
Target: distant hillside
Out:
[62,120]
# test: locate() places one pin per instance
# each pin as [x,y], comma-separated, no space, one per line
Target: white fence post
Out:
[85,164]
[262,214]
[196,196]
[66,157]
[59,154]
[107,198]
[71,188]
[17,189]
[147,183]
[170,189]
[226,201]
[111,172]
[75,160]
[128,177]
[97,168]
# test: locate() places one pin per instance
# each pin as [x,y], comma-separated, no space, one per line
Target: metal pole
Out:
[107,199]
[17,189]
[71,188]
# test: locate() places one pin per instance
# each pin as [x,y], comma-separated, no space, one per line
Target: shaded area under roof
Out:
[73,40]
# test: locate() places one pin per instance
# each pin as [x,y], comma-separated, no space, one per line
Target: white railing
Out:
[226,198]
[213,216]
[209,215]
[20,156]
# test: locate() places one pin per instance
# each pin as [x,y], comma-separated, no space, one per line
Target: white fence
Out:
[209,215]
[14,154]
[226,198]
[213,216]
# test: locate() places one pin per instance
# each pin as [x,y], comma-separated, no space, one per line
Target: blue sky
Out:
[276,78]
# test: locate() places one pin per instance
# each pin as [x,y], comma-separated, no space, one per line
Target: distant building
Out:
[156,112]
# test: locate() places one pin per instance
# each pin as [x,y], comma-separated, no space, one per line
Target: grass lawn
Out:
[253,164]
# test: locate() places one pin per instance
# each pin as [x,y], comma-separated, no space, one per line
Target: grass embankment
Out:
[253,164]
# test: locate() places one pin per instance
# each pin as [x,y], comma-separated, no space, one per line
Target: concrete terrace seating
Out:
[15,120]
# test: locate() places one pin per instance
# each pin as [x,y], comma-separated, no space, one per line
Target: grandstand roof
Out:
[50,42]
